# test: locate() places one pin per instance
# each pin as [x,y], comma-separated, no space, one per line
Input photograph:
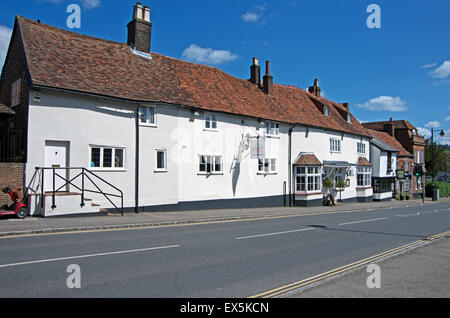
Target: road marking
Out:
[272,234]
[88,256]
[406,215]
[362,221]
[289,288]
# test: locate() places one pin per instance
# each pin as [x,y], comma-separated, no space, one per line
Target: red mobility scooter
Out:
[18,208]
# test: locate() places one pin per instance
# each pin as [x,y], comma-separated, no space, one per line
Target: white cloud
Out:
[90,4]
[5,37]
[430,65]
[447,119]
[87,4]
[207,55]
[441,72]
[250,17]
[256,15]
[385,103]
[433,124]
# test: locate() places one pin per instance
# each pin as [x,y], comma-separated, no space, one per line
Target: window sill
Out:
[161,171]
[210,129]
[107,170]
[148,125]
[363,188]
[210,173]
[273,136]
[266,173]
[308,193]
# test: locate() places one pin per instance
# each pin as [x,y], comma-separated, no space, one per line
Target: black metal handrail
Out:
[84,173]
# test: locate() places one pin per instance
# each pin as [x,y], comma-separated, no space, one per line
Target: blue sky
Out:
[401,70]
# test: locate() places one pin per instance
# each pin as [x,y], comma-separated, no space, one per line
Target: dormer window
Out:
[349,118]
[326,111]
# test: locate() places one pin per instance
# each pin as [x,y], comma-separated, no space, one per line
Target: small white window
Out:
[272,129]
[210,164]
[15,93]
[326,111]
[349,118]
[210,122]
[107,157]
[361,148]
[267,166]
[147,116]
[161,160]
[335,145]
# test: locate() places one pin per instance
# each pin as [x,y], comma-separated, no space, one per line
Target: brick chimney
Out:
[268,80]
[140,29]
[315,90]
[389,128]
[255,72]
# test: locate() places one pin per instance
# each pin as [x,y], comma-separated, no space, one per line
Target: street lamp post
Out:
[442,134]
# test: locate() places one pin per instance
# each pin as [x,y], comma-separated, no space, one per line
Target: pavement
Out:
[420,273]
[37,225]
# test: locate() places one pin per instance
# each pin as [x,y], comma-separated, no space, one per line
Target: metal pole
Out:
[432,157]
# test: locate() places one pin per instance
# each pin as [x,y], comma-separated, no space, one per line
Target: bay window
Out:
[308,179]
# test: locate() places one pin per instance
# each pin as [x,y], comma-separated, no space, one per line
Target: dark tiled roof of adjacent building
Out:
[6,110]
[390,142]
[61,59]
[398,124]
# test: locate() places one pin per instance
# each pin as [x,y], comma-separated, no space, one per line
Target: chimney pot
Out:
[140,29]
[268,80]
[315,90]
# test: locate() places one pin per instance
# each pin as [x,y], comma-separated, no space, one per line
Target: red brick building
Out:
[413,151]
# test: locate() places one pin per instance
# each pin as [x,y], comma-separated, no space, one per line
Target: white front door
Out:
[56,156]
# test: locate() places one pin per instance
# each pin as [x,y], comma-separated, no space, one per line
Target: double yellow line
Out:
[335,272]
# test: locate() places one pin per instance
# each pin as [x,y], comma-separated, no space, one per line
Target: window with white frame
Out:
[308,179]
[147,116]
[210,164]
[326,111]
[361,148]
[15,93]
[335,145]
[267,166]
[364,176]
[161,160]
[349,118]
[107,157]
[210,122]
[272,129]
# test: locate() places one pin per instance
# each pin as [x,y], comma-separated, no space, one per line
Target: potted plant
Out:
[402,196]
[327,185]
[340,186]
[407,196]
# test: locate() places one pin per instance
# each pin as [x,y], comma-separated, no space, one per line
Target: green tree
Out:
[439,161]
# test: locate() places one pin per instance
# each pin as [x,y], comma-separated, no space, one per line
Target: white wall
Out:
[318,142]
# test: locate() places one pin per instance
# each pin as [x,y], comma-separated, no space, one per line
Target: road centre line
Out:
[88,256]
[275,233]
[362,221]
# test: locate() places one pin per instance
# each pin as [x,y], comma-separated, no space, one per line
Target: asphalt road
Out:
[224,260]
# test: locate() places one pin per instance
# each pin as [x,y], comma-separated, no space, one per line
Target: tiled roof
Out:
[391,141]
[61,59]
[6,110]
[362,161]
[308,160]
[398,124]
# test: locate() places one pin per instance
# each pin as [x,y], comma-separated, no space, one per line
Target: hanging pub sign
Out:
[257,148]
[401,174]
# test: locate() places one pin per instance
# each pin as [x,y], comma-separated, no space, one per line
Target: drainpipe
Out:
[136,185]
[291,201]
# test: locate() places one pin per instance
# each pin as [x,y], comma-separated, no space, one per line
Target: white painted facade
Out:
[382,173]
[337,165]
[84,122]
